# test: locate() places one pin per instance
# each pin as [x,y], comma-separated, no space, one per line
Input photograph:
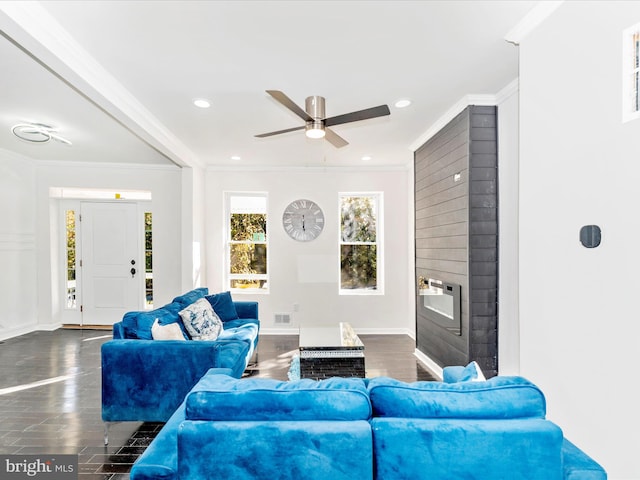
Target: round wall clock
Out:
[303,220]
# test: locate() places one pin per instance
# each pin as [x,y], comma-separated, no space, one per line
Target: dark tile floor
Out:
[50,394]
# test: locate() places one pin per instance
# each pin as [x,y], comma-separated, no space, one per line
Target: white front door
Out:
[112,270]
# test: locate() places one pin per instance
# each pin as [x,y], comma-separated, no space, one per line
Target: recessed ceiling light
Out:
[402,103]
[235,157]
[366,157]
[201,103]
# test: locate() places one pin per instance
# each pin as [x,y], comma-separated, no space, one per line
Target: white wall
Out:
[193,225]
[579,165]
[293,280]
[165,185]
[508,308]
[18,272]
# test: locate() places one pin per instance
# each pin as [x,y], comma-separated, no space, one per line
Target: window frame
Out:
[148,272]
[631,73]
[379,243]
[65,262]
[228,277]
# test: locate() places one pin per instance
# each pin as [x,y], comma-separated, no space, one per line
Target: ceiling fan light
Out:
[33,133]
[314,129]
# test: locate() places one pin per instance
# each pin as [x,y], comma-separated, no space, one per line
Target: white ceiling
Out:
[118,78]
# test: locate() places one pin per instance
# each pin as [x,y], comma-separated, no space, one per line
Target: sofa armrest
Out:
[160,458]
[577,465]
[118,330]
[247,309]
[146,380]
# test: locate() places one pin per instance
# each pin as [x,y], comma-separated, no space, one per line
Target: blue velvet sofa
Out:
[146,380]
[362,429]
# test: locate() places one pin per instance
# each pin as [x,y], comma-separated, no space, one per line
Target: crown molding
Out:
[96,165]
[34,30]
[531,20]
[314,170]
[449,115]
[511,89]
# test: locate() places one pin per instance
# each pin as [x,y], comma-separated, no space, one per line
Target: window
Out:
[247,245]
[631,73]
[148,260]
[360,244]
[70,250]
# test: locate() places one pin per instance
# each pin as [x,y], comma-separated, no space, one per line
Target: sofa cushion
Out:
[219,397]
[472,449]
[223,306]
[247,333]
[241,322]
[138,324]
[497,398]
[201,321]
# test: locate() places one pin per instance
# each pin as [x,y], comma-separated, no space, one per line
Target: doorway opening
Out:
[104,250]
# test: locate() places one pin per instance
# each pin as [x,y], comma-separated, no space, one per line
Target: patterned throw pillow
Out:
[201,321]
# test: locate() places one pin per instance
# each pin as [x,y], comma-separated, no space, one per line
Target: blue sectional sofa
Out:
[146,380]
[362,429]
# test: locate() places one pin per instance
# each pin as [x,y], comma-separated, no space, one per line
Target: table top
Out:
[334,337]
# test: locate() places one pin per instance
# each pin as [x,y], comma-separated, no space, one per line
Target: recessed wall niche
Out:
[456,232]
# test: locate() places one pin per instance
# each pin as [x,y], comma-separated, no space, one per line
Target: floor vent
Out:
[283,319]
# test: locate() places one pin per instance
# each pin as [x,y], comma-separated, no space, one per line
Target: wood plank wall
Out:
[457,234]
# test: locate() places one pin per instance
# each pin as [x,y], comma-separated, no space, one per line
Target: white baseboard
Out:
[16,332]
[49,327]
[432,366]
[279,331]
[359,331]
[382,331]
[24,329]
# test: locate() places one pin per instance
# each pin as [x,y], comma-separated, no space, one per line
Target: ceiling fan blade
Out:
[334,139]
[290,104]
[379,111]
[262,135]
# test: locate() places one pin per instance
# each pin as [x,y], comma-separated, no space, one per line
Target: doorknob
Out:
[133,272]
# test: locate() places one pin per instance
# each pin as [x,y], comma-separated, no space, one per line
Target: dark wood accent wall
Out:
[456,222]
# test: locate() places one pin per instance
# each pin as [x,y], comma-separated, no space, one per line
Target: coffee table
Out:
[334,351]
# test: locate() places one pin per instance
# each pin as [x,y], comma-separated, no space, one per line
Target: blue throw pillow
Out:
[130,324]
[188,298]
[223,306]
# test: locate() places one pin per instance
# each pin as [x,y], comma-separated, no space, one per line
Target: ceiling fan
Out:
[316,125]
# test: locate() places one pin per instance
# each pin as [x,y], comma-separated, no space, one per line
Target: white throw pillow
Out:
[171,331]
[479,376]
[201,321]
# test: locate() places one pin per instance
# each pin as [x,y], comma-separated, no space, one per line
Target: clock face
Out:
[303,220]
